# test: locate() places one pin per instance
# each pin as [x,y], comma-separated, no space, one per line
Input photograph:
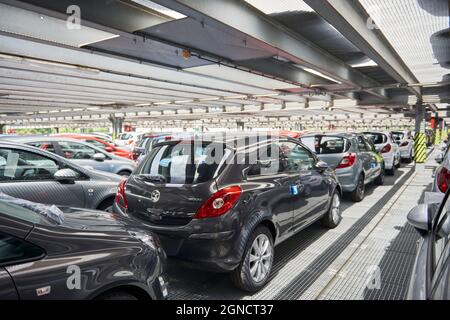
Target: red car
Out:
[98,142]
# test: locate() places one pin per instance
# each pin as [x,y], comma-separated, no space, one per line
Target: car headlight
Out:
[146,238]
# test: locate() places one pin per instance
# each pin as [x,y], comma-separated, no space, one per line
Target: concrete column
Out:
[116,125]
[420,147]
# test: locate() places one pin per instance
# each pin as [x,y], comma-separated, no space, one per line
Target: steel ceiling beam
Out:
[271,35]
[352,21]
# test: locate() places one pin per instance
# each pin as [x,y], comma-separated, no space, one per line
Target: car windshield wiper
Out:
[152,178]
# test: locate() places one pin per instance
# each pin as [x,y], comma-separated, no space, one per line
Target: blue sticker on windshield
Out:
[294,190]
[164,162]
[373,165]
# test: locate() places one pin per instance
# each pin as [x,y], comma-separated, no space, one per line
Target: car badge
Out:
[43,291]
[155,195]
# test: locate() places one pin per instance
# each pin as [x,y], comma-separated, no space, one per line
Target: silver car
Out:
[385,145]
[352,156]
[80,152]
[405,144]
[430,278]
[36,175]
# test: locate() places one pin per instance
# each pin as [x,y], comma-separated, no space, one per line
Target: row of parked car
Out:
[197,198]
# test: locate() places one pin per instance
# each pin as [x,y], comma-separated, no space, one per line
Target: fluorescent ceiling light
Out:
[369,63]
[277,6]
[34,25]
[317,73]
[158,8]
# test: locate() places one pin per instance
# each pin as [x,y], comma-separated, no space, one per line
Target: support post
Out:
[420,147]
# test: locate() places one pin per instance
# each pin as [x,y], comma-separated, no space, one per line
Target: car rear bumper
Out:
[388,161]
[199,242]
[405,152]
[347,179]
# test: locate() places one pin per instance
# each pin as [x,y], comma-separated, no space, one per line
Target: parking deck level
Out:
[368,256]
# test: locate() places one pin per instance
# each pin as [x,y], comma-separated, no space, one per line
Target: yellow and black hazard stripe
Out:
[420,148]
[437,137]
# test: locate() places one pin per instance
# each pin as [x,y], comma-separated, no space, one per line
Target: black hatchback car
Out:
[224,203]
[63,253]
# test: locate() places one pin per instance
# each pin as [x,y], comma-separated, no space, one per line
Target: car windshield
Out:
[398,135]
[16,211]
[376,138]
[326,144]
[185,162]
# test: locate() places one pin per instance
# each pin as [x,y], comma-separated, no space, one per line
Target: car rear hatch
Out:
[328,148]
[174,180]
[378,139]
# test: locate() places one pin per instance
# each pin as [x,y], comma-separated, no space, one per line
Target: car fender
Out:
[253,220]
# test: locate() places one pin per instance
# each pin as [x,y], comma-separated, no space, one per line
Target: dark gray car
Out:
[90,255]
[430,278]
[80,152]
[353,157]
[40,176]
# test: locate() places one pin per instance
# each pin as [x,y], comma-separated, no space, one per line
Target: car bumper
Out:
[347,179]
[405,153]
[199,242]
[388,161]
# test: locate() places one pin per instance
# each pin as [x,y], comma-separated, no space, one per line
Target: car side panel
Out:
[7,288]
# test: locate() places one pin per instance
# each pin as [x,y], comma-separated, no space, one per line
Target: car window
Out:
[267,159]
[76,151]
[19,165]
[185,162]
[376,138]
[96,143]
[14,250]
[326,144]
[47,146]
[294,158]
[362,144]
[397,135]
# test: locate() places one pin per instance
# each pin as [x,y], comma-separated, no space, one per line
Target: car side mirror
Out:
[109,149]
[100,157]
[66,175]
[439,158]
[322,165]
[419,218]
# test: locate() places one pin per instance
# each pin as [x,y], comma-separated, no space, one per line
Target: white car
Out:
[126,138]
[387,148]
[405,144]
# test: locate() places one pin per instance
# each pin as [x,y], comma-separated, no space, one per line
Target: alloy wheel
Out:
[260,258]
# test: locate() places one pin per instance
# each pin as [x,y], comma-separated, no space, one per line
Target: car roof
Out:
[331,134]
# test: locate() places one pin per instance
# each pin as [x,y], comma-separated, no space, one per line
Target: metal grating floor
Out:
[319,263]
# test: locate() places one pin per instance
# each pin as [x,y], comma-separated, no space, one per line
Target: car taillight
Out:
[347,161]
[387,148]
[443,179]
[404,144]
[219,203]
[120,195]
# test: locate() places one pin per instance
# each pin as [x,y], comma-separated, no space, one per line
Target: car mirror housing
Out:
[419,218]
[439,158]
[66,175]
[322,165]
[99,157]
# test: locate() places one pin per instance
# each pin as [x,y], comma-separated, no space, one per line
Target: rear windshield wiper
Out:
[152,178]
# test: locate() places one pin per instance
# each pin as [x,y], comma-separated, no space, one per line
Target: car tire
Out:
[117,295]
[358,194]
[391,172]
[334,214]
[379,181]
[124,173]
[252,280]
